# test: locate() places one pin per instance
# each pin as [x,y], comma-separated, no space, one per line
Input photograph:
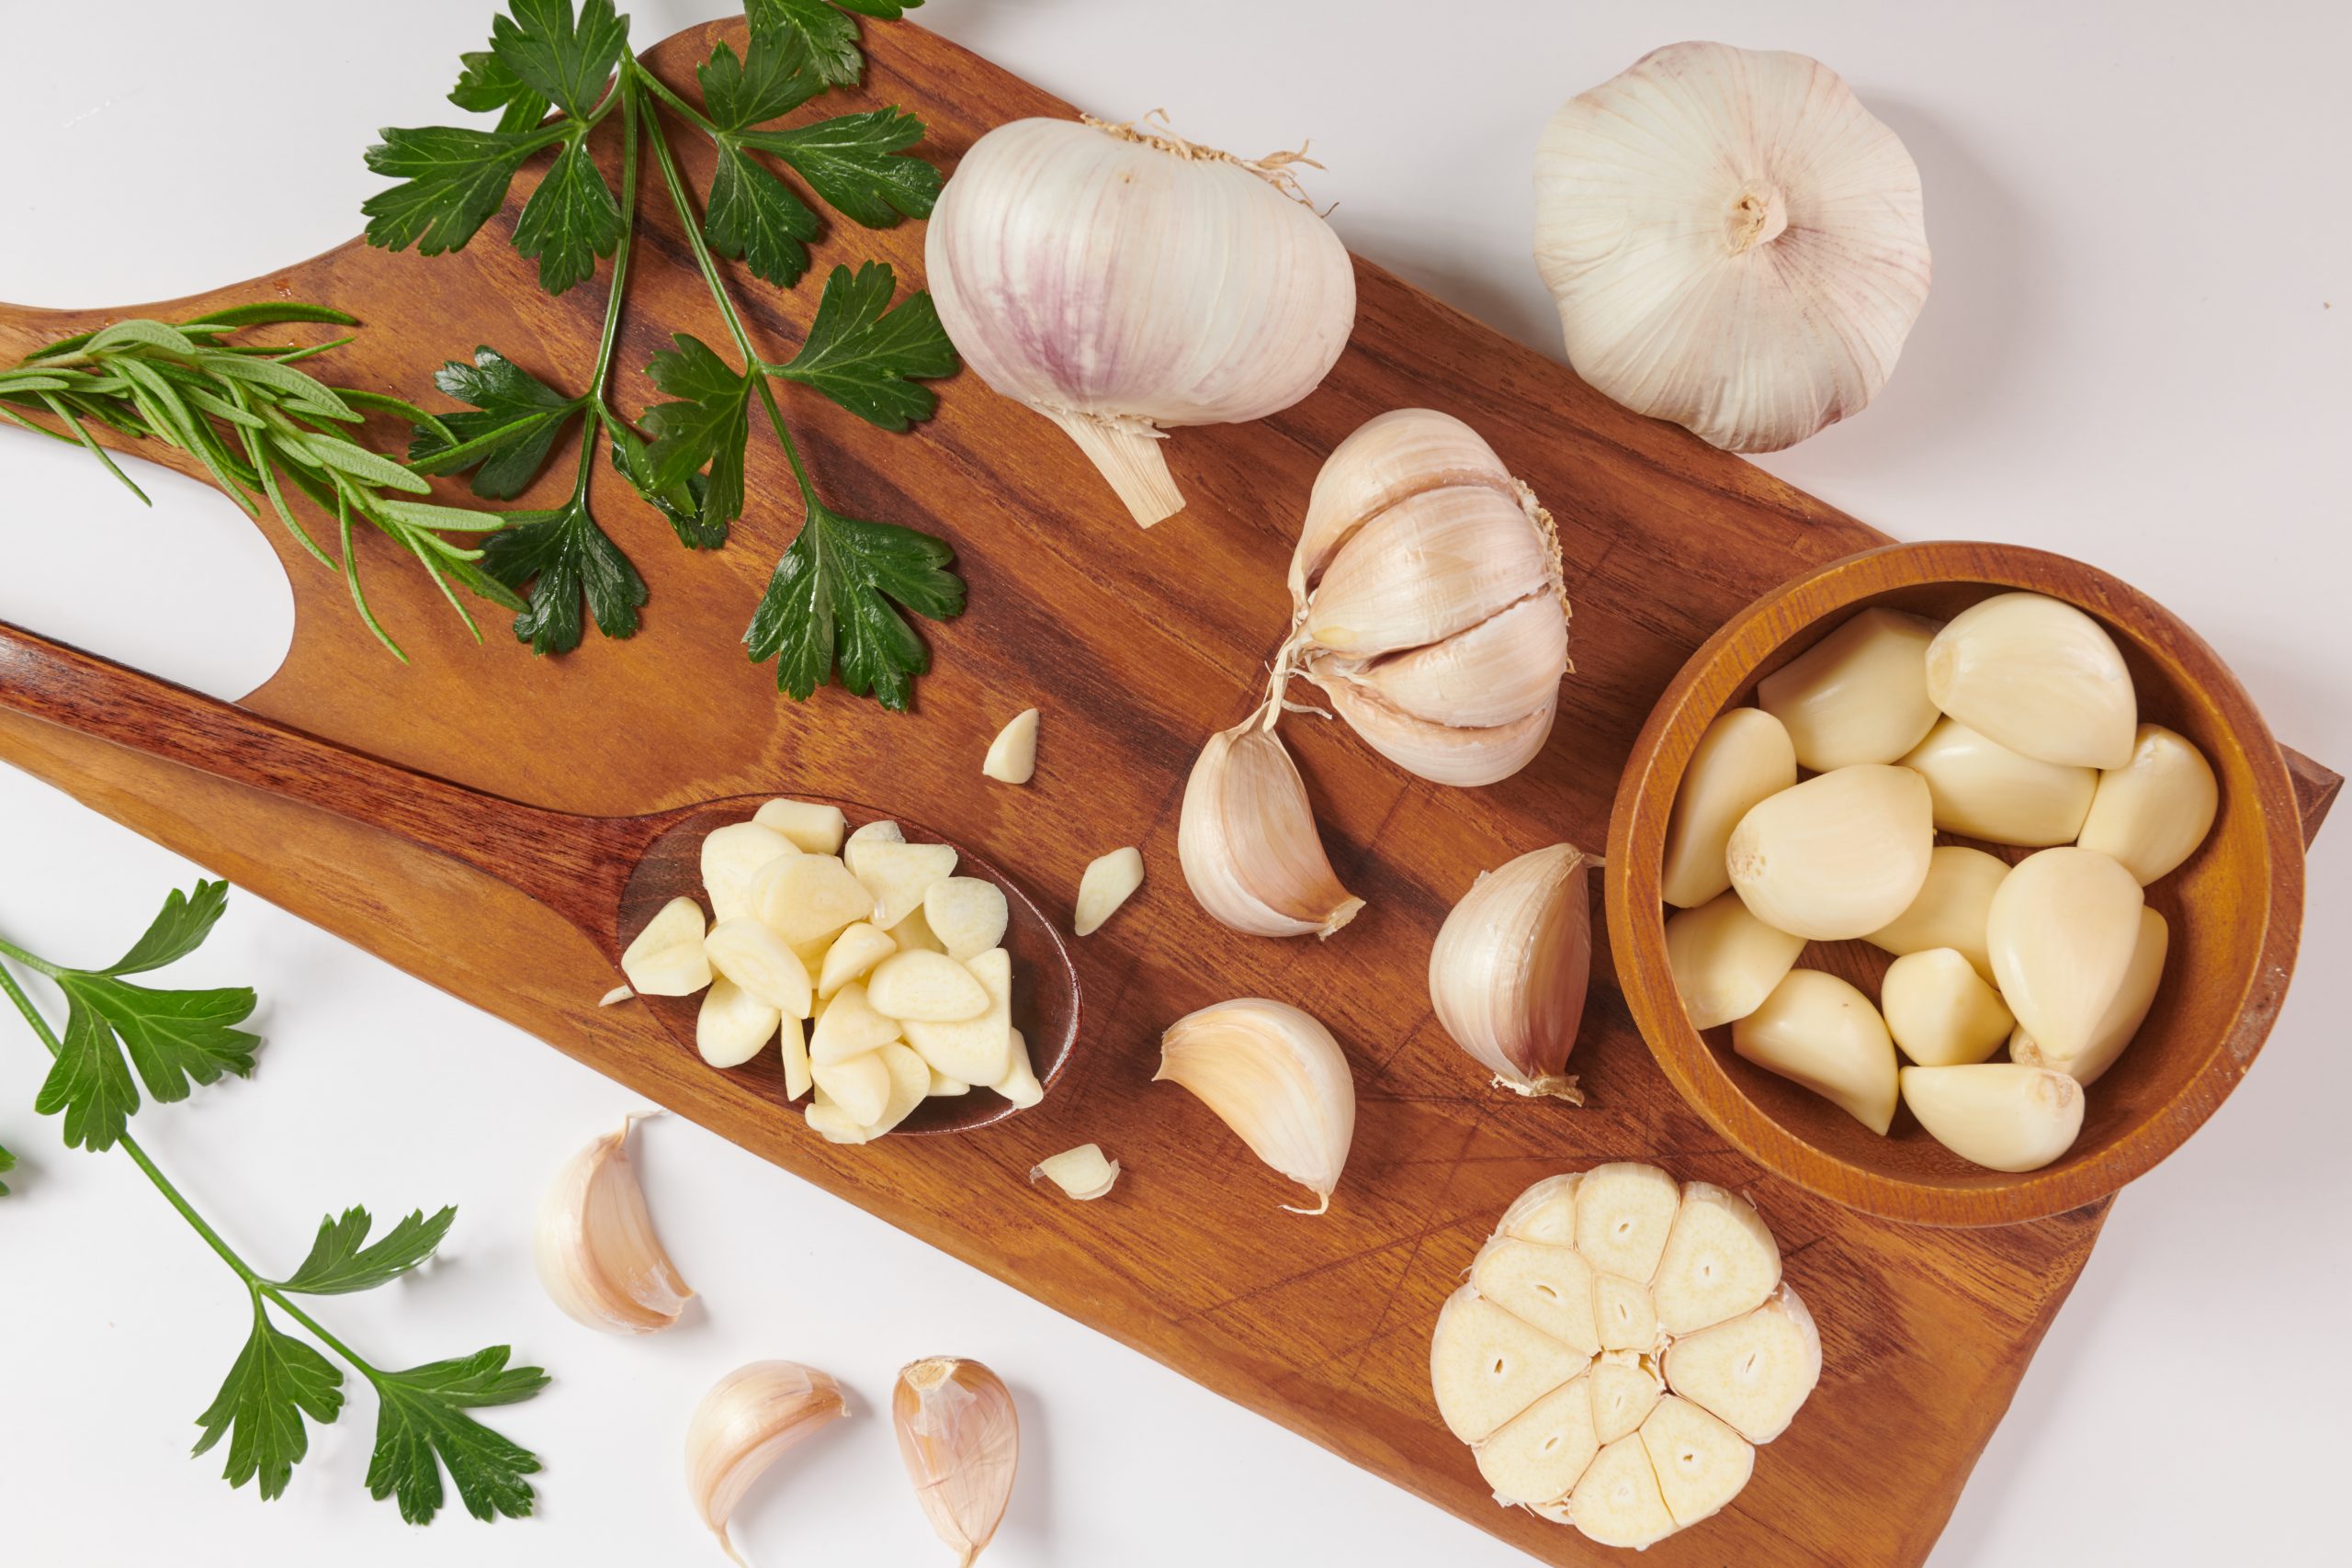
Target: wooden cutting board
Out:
[1137,645]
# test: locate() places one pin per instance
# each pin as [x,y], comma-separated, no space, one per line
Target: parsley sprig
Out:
[278,1381]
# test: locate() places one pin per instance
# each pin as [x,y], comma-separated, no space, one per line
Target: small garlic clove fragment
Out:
[2039,676]
[816,829]
[1551,1287]
[1817,1031]
[614,997]
[1539,1454]
[898,875]
[1465,758]
[1701,1463]
[1618,1502]
[849,1027]
[2001,1115]
[1940,1011]
[909,1086]
[1275,1076]
[830,1123]
[1726,961]
[941,1084]
[2062,930]
[860,1085]
[666,958]
[743,1425]
[1510,968]
[1745,756]
[1755,1371]
[1247,843]
[960,1437]
[914,934]
[798,1079]
[1837,856]
[1624,1314]
[1019,1084]
[1013,755]
[2123,1016]
[1545,1213]
[1858,696]
[1435,564]
[1082,1173]
[853,954]
[926,987]
[734,1025]
[880,831]
[1108,882]
[1720,1261]
[2153,812]
[968,914]
[746,952]
[597,1252]
[809,898]
[1490,676]
[1624,1213]
[1625,1389]
[977,1049]
[1983,790]
[1953,908]
[730,857]
[1486,1366]
[1387,458]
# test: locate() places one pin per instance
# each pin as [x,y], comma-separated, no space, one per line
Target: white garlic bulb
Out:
[1120,281]
[1735,244]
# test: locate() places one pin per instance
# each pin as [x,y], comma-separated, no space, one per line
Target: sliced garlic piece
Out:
[880,831]
[1624,1213]
[1952,908]
[1624,1314]
[2152,813]
[860,1085]
[1539,1454]
[1388,457]
[2001,1115]
[898,875]
[1839,855]
[1551,1287]
[1486,1366]
[1109,880]
[1509,969]
[926,987]
[1545,1213]
[968,914]
[1858,696]
[1618,1502]
[817,829]
[1720,1261]
[666,958]
[597,1252]
[941,1084]
[909,1086]
[1247,843]
[1940,1011]
[809,898]
[1726,961]
[1013,755]
[1625,1388]
[746,952]
[1700,1462]
[914,934]
[733,1024]
[730,855]
[614,997]
[2062,929]
[849,1027]
[960,1439]
[1983,790]
[1276,1078]
[1082,1173]
[797,1079]
[830,1121]
[2123,1016]
[2039,676]
[1744,757]
[1817,1031]
[1019,1084]
[747,1419]
[1434,565]
[1753,1372]
[853,954]
[977,1049]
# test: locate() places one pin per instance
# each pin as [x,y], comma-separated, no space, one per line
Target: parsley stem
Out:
[605,345]
[30,961]
[662,89]
[684,202]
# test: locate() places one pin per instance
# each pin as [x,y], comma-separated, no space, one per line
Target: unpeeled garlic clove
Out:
[597,1252]
[2062,929]
[1443,753]
[1510,968]
[1492,676]
[1248,844]
[2039,676]
[1837,856]
[1983,790]
[666,958]
[1013,755]
[1817,1031]
[1745,757]
[960,1437]
[1275,1076]
[2122,1018]
[1431,566]
[1082,1173]
[743,1425]
[1388,457]
[2001,1115]
[2153,812]
[1108,882]
[1858,696]
[1940,1011]
[1952,908]
[1726,961]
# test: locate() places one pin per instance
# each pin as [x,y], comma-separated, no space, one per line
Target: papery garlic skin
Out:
[1735,242]
[1724,960]
[1745,757]
[959,1436]
[2039,676]
[746,1421]
[595,1249]
[1510,968]
[1275,1076]
[2153,812]
[1120,282]
[1858,696]
[1247,840]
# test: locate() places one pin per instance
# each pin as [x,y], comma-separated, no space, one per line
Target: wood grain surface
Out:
[1137,645]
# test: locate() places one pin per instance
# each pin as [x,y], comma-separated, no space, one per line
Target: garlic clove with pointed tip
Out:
[1274,1076]
[1952,909]
[1981,789]
[2124,1014]
[1858,696]
[1745,757]
[1817,1031]
[2062,930]
[1839,855]
[1083,1173]
[744,1425]
[1724,960]
[666,958]
[1013,755]
[1248,844]
[1510,968]
[959,1435]
[597,1252]
[1388,457]
[2001,1115]
[1940,1011]
[2153,812]
[2039,676]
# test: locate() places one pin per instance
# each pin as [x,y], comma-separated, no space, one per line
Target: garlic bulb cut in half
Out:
[744,1425]
[1837,856]
[1122,280]
[2122,1018]
[2039,676]
[2153,812]
[1981,789]
[960,1437]
[1735,242]
[1858,696]
[1510,967]
[2000,1115]
[1275,1076]
[597,1251]
[1726,961]
[1248,844]
[1745,756]
[1817,1031]
[2063,930]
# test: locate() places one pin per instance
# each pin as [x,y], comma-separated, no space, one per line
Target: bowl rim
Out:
[1728,661]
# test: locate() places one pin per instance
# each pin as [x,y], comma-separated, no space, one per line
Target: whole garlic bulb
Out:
[1735,244]
[1119,281]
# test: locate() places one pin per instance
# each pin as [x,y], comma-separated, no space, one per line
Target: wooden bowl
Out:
[2235,907]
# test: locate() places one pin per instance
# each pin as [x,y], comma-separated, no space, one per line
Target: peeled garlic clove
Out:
[1700,1462]
[1754,1372]
[1013,755]
[2039,676]
[910,1078]
[853,954]
[1388,457]
[1858,696]
[1625,1389]
[614,997]
[1434,565]
[898,875]
[882,831]
[1817,1031]
[1443,753]
[2001,1115]
[960,1437]
[860,1085]
[914,934]
[809,898]
[666,958]
[1618,1502]
[1984,790]
[1082,1173]
[1720,1261]
[1551,1287]
[597,1255]
[733,1024]
[1486,1366]
[1952,909]
[1491,675]
[2123,1016]
[1108,882]
[849,1027]
[926,987]
[743,1425]
[730,855]
[1726,961]
[1745,756]
[1276,1078]
[979,1049]
[1626,1316]
[1837,856]
[1624,1213]
[1940,1011]
[1735,244]
[941,1084]
[1509,971]
[2062,930]
[746,952]
[2153,812]
[816,829]
[968,914]
[1248,844]
[1539,1454]
[1019,1084]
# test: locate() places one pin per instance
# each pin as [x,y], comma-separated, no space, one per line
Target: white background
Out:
[2134,353]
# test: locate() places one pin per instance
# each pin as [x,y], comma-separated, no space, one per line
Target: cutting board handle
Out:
[576,865]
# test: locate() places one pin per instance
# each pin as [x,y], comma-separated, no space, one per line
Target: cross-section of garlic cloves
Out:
[746,1421]
[1720,1261]
[597,1251]
[1248,844]
[1276,1078]
[1539,1454]
[1701,1463]
[1753,1371]
[1617,1502]
[960,1437]
[1510,968]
